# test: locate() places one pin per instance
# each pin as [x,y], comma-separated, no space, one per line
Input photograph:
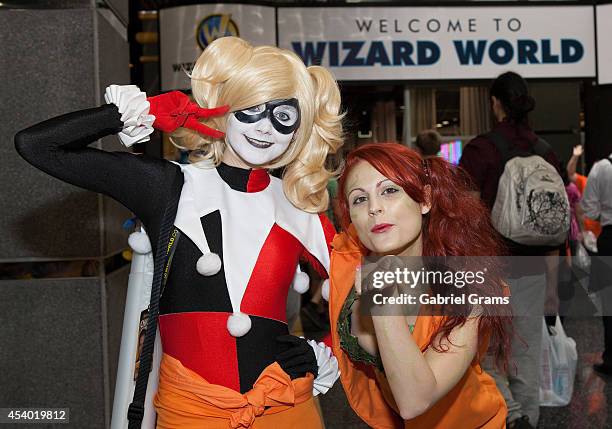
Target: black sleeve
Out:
[58,147]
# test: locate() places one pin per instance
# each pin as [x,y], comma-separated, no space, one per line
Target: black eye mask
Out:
[283,127]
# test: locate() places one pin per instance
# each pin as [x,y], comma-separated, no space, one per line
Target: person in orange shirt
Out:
[422,369]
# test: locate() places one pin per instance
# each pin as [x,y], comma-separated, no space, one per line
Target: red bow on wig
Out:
[174,109]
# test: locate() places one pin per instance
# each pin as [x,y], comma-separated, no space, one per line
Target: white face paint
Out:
[256,143]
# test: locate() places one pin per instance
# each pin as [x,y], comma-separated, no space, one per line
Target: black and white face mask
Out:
[284,114]
[262,133]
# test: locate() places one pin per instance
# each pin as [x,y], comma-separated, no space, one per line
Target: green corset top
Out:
[348,341]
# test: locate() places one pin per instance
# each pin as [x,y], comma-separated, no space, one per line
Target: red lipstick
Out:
[381,227]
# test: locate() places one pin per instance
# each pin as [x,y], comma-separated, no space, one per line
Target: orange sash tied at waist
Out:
[185,399]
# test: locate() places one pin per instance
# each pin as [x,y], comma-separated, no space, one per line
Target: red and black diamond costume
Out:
[240,215]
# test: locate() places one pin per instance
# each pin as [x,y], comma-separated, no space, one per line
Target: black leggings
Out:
[604,248]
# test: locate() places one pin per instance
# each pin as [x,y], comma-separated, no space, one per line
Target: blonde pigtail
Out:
[219,61]
[305,180]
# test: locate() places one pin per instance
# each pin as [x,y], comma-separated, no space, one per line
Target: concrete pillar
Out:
[59,336]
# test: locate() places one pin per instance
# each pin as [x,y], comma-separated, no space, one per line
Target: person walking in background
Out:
[571,168]
[567,251]
[483,159]
[581,181]
[428,143]
[597,204]
[577,219]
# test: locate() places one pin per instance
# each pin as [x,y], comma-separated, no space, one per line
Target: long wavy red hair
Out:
[458,224]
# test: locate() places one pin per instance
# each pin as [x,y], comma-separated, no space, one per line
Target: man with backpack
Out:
[516,174]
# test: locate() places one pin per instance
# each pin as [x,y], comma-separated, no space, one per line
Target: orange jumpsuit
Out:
[473,403]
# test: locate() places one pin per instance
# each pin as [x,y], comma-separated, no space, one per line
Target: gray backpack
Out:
[531,205]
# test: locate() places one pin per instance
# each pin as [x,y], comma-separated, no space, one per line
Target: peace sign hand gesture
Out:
[174,109]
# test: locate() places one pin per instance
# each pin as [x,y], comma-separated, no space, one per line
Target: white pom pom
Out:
[325,290]
[301,282]
[139,242]
[238,324]
[208,264]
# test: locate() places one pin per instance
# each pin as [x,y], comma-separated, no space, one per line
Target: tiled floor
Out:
[588,410]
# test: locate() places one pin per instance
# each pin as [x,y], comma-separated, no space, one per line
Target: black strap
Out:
[136,408]
[502,145]
[541,147]
[508,151]
[609,160]
[170,249]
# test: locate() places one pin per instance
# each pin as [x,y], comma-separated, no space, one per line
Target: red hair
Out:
[458,224]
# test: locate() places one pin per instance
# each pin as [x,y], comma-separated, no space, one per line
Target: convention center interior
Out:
[306,214]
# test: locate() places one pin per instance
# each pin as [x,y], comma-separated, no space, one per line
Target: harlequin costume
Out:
[474,402]
[237,244]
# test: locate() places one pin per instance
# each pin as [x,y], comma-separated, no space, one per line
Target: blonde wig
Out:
[232,72]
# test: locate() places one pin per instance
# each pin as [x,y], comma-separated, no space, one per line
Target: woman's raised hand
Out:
[174,109]
[369,276]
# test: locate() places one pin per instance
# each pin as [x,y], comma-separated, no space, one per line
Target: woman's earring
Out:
[426,206]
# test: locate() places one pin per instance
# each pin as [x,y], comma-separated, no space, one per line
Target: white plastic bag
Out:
[582,259]
[590,241]
[557,367]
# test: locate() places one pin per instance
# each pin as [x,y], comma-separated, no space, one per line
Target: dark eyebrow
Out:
[383,181]
[377,185]
[354,189]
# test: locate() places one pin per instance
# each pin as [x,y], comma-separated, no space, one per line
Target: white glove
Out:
[134,108]
[328,368]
